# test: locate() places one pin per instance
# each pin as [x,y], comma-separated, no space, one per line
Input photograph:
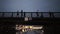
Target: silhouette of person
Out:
[51,14]
[17,13]
[21,13]
[37,13]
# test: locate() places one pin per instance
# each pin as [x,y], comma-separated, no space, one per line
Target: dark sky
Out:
[30,5]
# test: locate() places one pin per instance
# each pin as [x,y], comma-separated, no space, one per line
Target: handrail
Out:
[30,14]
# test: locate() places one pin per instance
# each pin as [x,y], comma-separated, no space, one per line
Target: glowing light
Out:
[41,27]
[37,27]
[26,19]
[23,30]
[31,26]
[26,26]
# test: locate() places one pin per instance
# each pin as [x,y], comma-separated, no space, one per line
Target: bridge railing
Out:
[30,14]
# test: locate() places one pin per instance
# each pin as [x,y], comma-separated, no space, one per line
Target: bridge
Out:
[18,17]
[50,20]
[30,14]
